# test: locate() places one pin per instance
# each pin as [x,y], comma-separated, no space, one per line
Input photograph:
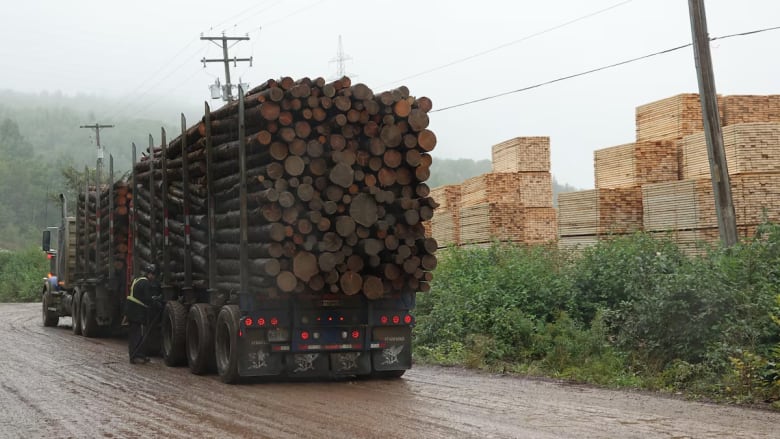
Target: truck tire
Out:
[226,344]
[89,326]
[200,338]
[174,321]
[75,312]
[50,318]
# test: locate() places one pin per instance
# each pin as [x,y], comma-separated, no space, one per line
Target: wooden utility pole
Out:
[721,184]
[228,96]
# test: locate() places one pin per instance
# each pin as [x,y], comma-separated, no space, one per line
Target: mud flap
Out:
[256,358]
[397,351]
[106,306]
[313,364]
[350,363]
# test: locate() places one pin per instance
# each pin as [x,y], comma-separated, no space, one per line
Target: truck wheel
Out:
[75,314]
[174,320]
[50,318]
[200,338]
[89,326]
[226,344]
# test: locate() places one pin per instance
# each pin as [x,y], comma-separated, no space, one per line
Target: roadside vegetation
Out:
[630,312]
[21,274]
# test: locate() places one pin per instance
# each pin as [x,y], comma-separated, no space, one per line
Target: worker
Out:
[143,293]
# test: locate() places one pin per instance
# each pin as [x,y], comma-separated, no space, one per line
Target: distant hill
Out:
[455,171]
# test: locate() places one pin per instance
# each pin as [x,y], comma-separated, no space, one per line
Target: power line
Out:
[598,69]
[505,45]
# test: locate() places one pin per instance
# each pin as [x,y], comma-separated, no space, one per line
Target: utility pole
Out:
[721,182]
[228,92]
[97,127]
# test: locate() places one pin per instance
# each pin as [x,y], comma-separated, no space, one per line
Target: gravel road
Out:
[57,385]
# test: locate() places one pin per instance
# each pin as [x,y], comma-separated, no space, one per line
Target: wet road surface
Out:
[57,385]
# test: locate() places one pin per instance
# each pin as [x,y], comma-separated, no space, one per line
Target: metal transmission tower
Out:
[227,89]
[341,60]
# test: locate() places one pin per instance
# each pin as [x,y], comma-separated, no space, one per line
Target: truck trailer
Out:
[288,228]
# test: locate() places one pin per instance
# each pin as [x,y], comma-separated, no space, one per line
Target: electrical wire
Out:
[598,69]
[511,43]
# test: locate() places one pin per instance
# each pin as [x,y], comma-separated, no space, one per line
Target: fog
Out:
[147,55]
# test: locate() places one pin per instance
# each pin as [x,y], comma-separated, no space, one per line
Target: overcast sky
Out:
[147,54]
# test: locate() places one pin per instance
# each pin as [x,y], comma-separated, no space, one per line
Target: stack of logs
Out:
[335,185]
[100,264]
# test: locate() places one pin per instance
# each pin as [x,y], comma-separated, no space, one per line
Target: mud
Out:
[57,385]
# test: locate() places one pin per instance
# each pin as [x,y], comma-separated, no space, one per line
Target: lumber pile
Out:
[512,203]
[750,148]
[635,164]
[336,192]
[739,109]
[522,154]
[445,226]
[600,212]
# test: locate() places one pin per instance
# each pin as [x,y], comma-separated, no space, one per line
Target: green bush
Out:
[630,311]
[21,275]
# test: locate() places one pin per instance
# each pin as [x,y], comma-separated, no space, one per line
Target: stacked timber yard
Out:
[660,183]
[512,203]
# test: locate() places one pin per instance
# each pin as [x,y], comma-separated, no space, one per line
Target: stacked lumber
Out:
[445,226]
[739,109]
[670,118]
[336,194]
[600,212]
[586,217]
[636,164]
[690,204]
[749,147]
[501,221]
[698,241]
[94,252]
[522,154]
[527,189]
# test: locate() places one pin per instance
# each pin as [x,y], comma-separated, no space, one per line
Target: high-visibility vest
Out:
[131,297]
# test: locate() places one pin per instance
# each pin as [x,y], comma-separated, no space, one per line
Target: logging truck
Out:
[288,228]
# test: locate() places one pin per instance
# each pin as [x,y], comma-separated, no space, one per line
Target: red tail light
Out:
[356,334]
[248,321]
[274,321]
[49,255]
[383,320]
[261,322]
[304,335]
[396,320]
[407,319]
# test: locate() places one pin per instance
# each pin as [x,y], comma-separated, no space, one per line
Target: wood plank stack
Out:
[522,154]
[635,164]
[481,223]
[670,118]
[600,211]
[445,226]
[750,148]
[696,241]
[738,109]
[336,192]
[512,203]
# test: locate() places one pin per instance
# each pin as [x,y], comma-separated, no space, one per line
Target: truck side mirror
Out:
[46,241]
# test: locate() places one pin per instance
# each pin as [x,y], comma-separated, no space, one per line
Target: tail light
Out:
[261,322]
[396,320]
[356,334]
[408,319]
[248,321]
[383,320]
[274,321]
[304,335]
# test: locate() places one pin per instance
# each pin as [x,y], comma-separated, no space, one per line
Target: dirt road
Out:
[57,385]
